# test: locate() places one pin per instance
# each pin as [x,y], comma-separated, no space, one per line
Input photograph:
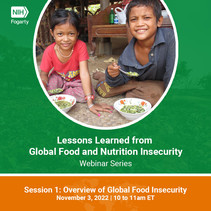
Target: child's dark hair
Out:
[155,4]
[62,16]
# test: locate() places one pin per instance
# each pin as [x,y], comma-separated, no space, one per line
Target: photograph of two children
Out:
[106,54]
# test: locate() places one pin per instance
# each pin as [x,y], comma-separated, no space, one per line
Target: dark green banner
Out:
[174,138]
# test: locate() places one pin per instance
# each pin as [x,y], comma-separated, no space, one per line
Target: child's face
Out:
[65,36]
[143,24]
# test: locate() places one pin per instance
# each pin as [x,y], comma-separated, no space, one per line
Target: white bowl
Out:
[69,98]
[132,101]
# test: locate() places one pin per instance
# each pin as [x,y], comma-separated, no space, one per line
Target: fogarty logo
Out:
[19,12]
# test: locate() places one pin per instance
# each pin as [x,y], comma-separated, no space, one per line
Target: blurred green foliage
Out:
[93,8]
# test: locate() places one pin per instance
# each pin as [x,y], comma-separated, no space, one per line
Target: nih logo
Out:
[19,12]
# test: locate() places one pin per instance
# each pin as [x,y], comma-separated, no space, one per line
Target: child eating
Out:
[150,54]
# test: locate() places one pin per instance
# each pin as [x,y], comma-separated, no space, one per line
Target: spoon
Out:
[130,74]
[55,91]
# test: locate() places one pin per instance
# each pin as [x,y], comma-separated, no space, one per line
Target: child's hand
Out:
[113,70]
[44,78]
[101,107]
